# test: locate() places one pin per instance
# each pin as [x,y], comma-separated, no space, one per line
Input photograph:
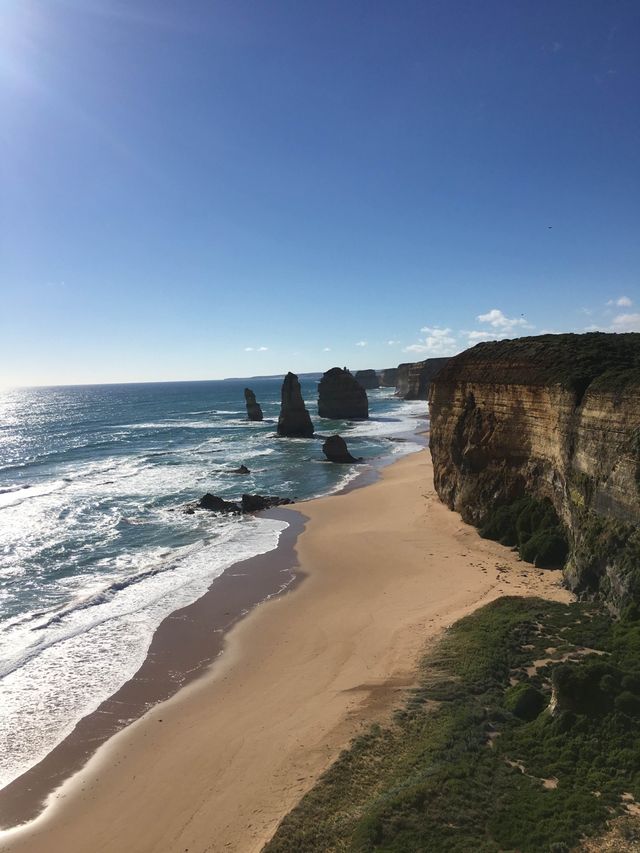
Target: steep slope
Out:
[554,417]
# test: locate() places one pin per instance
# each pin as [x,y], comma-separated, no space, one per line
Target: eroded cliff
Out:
[414,378]
[557,417]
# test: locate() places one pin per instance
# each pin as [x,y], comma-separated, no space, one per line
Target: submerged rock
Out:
[294,420]
[254,412]
[368,379]
[340,396]
[336,450]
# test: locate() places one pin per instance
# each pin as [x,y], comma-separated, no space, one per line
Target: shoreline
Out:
[184,645]
[332,655]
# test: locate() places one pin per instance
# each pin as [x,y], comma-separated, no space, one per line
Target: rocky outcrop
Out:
[336,450]
[368,379]
[553,417]
[340,396]
[294,420]
[388,377]
[248,503]
[413,379]
[254,411]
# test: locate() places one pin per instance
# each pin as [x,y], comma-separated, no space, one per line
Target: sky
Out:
[202,189]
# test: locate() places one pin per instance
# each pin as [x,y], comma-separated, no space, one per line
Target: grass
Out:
[462,766]
[533,527]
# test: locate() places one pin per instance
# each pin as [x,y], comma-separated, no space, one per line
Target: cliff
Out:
[414,378]
[368,379]
[388,377]
[340,396]
[555,418]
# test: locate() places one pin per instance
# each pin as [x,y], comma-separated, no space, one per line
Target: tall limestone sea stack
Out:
[554,418]
[254,411]
[368,379]
[294,420]
[341,396]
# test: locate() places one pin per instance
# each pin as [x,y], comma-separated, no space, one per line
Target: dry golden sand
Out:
[218,766]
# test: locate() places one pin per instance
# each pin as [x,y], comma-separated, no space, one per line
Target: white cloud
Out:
[361,344]
[256,349]
[626,323]
[437,341]
[263,349]
[248,349]
[498,320]
[392,343]
[621,302]
[327,349]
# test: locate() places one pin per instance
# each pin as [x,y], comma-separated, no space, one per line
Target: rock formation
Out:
[255,503]
[341,397]
[336,450]
[254,412]
[388,377]
[368,379]
[294,420]
[249,503]
[553,417]
[414,378]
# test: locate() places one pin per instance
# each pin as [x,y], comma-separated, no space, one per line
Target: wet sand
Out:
[216,767]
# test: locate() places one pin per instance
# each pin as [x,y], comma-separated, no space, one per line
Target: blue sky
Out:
[203,189]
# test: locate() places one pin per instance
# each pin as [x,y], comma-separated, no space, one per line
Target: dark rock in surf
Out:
[254,412]
[215,504]
[294,420]
[341,397]
[336,450]
[256,503]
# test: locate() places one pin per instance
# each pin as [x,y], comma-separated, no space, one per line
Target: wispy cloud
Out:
[361,344]
[498,320]
[621,302]
[256,349]
[326,349]
[392,343]
[436,342]
[626,323]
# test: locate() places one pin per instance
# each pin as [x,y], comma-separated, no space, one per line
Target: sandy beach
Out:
[215,768]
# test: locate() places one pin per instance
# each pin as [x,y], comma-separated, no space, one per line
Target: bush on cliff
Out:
[533,527]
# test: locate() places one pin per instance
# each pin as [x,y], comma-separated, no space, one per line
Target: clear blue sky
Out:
[198,189]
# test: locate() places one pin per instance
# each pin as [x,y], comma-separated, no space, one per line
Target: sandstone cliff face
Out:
[414,378]
[557,416]
[368,379]
[294,420]
[340,396]
[388,377]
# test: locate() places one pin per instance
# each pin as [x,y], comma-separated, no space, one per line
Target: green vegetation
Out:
[475,760]
[533,527]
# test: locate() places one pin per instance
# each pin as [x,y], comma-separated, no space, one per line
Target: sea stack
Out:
[368,379]
[340,396]
[336,450]
[294,420]
[254,412]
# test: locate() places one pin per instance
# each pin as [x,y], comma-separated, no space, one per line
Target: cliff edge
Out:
[554,418]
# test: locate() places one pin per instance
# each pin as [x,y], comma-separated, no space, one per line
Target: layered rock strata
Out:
[254,411]
[413,379]
[340,396]
[294,420]
[388,377]
[368,379]
[557,417]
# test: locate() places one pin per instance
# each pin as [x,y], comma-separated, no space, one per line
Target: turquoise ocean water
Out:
[94,550]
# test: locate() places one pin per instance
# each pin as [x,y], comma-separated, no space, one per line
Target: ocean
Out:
[95,550]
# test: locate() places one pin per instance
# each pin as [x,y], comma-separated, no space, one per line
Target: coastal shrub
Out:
[460,770]
[525,701]
[533,527]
